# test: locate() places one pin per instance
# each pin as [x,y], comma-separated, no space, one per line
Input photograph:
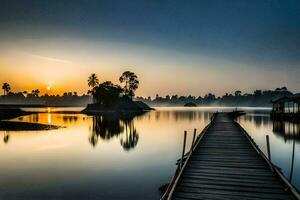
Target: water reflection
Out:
[131,136]
[108,126]
[284,129]
[287,130]
[6,137]
[70,119]
[130,152]
[181,115]
[287,137]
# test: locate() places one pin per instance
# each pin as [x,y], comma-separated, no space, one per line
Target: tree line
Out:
[107,93]
[257,98]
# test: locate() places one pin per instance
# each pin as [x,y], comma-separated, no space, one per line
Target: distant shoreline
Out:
[150,104]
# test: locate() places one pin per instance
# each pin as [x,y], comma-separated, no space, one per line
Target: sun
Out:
[48,87]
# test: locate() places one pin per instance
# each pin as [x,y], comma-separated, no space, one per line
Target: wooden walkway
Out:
[225,164]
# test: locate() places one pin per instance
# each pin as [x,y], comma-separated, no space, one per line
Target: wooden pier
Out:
[225,163]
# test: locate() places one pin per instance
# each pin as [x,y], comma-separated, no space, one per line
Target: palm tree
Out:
[93,80]
[5,88]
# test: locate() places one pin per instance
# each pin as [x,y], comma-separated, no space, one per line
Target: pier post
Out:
[269,152]
[268,148]
[183,149]
[293,158]
[193,141]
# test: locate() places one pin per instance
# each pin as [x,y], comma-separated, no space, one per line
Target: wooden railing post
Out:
[268,148]
[193,141]
[183,149]
[269,152]
[293,158]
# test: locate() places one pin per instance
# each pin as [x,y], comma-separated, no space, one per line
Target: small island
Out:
[190,104]
[109,97]
[9,112]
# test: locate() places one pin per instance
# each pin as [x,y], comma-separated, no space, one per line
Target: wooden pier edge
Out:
[273,167]
[275,170]
[170,189]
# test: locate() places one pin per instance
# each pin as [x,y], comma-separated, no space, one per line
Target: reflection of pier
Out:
[288,130]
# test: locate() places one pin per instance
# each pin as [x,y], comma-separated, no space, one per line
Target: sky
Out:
[174,46]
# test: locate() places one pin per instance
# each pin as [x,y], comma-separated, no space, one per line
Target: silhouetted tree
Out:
[5,88]
[35,93]
[107,93]
[237,93]
[93,80]
[257,92]
[174,98]
[131,83]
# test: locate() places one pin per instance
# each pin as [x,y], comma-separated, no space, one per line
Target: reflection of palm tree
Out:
[131,138]
[93,139]
[6,137]
[107,126]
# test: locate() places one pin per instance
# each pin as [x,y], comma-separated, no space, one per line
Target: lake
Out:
[113,157]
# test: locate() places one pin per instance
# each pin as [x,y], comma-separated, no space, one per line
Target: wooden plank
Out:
[258,195]
[238,179]
[224,196]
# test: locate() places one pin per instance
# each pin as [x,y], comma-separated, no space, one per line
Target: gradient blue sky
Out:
[184,47]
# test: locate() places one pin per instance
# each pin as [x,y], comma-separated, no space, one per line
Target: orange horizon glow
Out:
[57,69]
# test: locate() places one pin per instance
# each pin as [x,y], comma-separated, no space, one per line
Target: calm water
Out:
[110,157]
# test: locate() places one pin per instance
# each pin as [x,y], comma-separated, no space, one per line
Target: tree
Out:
[93,80]
[131,83]
[257,93]
[107,93]
[237,93]
[35,93]
[5,88]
